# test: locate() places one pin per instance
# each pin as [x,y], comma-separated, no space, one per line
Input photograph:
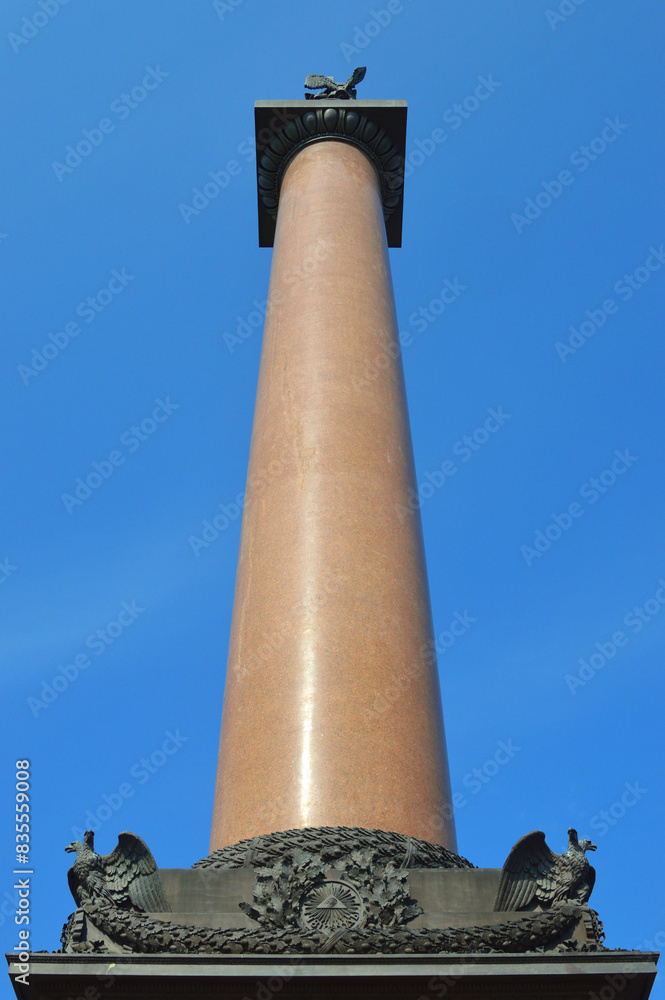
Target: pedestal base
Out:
[355,977]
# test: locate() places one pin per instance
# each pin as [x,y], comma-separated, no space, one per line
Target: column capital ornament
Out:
[348,124]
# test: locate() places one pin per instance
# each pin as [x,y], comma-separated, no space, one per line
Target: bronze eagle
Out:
[334,91]
[127,877]
[533,875]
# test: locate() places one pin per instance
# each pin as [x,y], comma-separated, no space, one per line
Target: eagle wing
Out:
[529,868]
[131,873]
[74,885]
[355,78]
[314,82]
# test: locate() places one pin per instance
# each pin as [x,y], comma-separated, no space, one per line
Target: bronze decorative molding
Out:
[346,124]
[301,892]
[349,891]
[143,933]
[335,845]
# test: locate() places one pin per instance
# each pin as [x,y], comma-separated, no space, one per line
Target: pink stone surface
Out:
[332,709]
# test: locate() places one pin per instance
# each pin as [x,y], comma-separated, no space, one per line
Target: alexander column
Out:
[331,603]
[333,869]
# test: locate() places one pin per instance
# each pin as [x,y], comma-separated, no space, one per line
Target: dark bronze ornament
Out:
[143,933]
[336,845]
[346,124]
[334,91]
[346,891]
[331,905]
[126,877]
[301,891]
[533,875]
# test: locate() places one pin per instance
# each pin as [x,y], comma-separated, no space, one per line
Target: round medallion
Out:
[331,906]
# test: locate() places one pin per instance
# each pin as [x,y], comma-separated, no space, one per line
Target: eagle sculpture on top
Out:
[127,877]
[334,91]
[533,875]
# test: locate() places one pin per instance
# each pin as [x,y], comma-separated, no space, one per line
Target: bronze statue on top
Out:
[334,91]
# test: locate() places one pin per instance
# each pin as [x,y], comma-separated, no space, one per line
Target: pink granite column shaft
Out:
[332,710]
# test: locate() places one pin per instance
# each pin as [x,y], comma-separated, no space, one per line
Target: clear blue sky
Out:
[542,205]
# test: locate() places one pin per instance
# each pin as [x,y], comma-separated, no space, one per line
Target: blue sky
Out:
[542,206]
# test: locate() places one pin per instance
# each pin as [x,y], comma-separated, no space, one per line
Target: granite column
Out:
[332,710]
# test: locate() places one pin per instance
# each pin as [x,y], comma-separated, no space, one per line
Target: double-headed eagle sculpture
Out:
[334,91]
[127,877]
[534,876]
